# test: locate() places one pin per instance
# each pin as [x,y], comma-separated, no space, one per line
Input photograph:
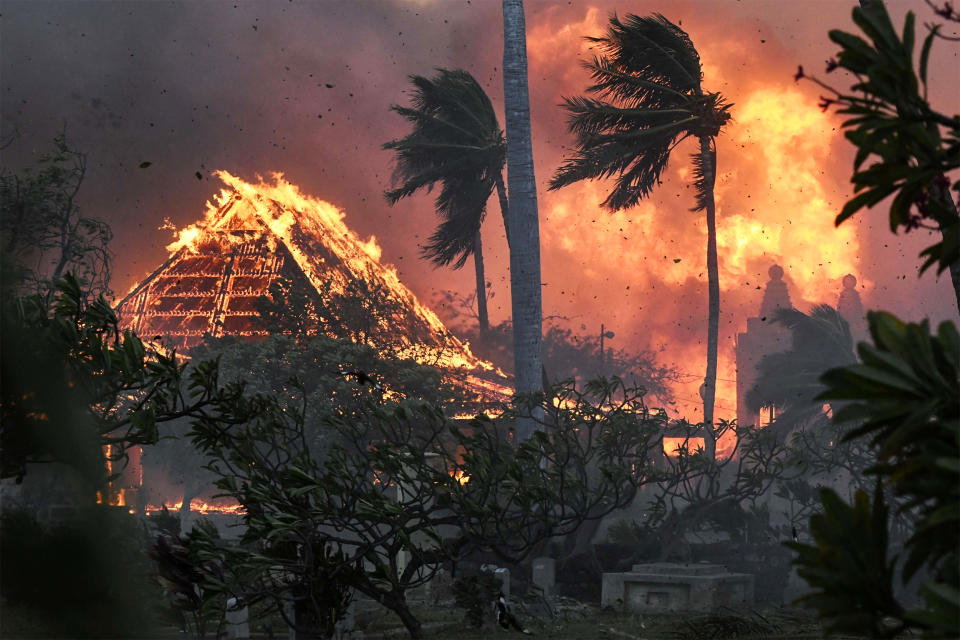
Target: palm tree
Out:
[649,99]
[790,381]
[524,221]
[456,141]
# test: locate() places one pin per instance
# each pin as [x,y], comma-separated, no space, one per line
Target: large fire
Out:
[303,223]
[783,169]
[254,234]
[645,268]
[672,446]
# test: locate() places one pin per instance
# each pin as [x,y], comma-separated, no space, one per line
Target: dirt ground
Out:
[564,620]
[569,620]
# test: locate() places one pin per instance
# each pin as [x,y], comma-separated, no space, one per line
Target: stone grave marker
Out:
[545,574]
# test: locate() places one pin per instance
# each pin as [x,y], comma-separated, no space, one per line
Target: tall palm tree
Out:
[456,141]
[649,99]
[524,221]
[790,381]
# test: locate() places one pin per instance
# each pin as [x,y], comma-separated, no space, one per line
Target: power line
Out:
[697,375]
[717,406]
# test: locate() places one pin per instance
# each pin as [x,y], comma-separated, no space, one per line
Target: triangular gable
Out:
[253,235]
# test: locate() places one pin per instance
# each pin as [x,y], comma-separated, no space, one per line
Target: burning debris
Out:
[199,505]
[256,235]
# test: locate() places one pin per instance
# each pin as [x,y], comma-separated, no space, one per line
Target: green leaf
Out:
[865,199]
[925,54]
[852,44]
[908,35]
[888,382]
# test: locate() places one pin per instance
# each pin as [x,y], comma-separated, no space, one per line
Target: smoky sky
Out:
[305,89]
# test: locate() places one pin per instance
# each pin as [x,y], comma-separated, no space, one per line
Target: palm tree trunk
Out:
[523,219]
[709,157]
[504,210]
[481,286]
[504,207]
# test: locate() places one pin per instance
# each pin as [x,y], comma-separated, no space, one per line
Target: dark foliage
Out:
[456,142]
[476,594]
[43,233]
[567,355]
[73,382]
[904,396]
[912,147]
[87,575]
[647,79]
[402,489]
[850,566]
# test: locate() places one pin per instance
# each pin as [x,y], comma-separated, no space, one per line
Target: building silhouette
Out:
[764,336]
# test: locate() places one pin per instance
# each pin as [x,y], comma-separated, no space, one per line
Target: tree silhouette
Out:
[43,232]
[457,142]
[790,380]
[647,79]
[525,281]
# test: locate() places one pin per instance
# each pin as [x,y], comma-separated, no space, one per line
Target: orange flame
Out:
[779,188]
[200,506]
[673,446]
[774,205]
[299,221]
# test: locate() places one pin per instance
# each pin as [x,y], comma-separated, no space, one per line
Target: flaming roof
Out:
[253,235]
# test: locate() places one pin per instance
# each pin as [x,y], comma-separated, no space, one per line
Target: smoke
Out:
[305,88]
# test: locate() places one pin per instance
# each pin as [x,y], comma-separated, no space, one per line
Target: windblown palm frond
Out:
[790,380]
[654,49]
[647,80]
[456,141]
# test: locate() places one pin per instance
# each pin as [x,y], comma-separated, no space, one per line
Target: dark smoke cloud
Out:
[304,88]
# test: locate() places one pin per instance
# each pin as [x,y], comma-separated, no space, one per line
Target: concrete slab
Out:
[665,586]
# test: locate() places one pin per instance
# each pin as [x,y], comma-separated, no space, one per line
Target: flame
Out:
[776,202]
[783,171]
[200,506]
[789,141]
[305,224]
[185,238]
[673,446]
[114,497]
[460,476]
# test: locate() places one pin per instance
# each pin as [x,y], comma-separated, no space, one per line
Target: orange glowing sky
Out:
[205,86]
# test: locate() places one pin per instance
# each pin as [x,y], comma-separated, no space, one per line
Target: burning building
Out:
[255,235]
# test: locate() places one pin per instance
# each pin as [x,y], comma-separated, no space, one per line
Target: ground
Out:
[574,621]
[571,621]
